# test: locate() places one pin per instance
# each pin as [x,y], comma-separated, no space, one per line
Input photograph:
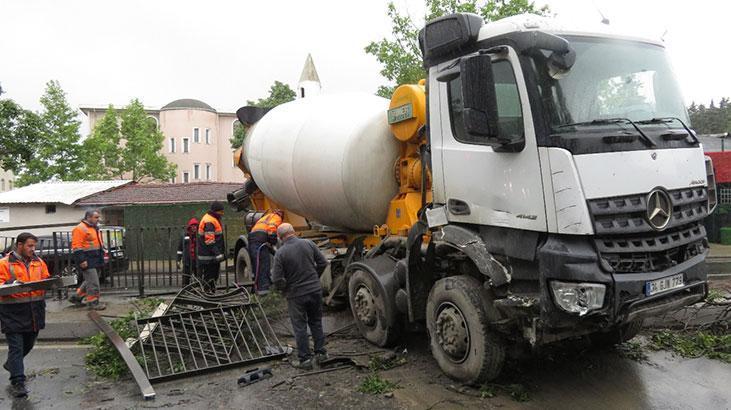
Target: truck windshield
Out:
[611,79]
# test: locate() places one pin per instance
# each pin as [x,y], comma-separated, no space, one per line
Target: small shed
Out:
[48,206]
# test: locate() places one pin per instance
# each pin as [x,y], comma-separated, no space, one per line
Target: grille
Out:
[629,244]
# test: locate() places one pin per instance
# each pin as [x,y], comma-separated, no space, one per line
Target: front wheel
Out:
[243,266]
[462,343]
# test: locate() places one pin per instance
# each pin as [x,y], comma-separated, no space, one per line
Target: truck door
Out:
[479,183]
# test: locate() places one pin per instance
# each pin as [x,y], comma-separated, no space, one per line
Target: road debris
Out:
[255,375]
[129,358]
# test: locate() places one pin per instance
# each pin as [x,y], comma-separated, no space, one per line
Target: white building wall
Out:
[17,215]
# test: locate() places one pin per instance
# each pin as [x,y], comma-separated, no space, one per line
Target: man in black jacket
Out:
[298,265]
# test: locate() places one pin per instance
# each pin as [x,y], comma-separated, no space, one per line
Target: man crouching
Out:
[298,265]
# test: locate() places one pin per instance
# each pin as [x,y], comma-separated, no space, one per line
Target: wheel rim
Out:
[452,333]
[365,306]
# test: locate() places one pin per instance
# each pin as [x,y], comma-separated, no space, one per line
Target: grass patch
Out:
[715,295]
[103,360]
[633,351]
[714,345]
[273,304]
[375,384]
[385,362]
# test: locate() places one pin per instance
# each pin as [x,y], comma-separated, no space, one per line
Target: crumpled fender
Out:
[474,247]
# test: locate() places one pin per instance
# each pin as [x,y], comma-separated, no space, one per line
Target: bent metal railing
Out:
[203,332]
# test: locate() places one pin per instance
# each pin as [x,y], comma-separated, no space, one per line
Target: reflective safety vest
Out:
[12,268]
[210,239]
[86,245]
[268,223]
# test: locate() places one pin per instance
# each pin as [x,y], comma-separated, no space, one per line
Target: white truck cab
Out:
[566,158]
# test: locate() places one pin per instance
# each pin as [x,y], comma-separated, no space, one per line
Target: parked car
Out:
[58,255]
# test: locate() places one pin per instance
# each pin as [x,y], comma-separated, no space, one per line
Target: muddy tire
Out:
[457,318]
[617,335]
[243,266]
[373,317]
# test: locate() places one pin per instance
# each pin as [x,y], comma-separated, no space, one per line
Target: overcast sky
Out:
[225,52]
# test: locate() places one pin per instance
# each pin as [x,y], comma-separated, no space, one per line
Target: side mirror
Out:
[478,94]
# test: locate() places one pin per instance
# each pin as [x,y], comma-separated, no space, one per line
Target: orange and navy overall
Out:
[87,246]
[23,311]
[264,231]
[210,248]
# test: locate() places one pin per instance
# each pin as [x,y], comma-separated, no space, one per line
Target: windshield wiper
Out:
[665,120]
[608,121]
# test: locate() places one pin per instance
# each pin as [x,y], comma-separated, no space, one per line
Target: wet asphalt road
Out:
[594,380]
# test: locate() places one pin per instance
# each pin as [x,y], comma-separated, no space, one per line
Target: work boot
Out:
[303,364]
[76,299]
[96,305]
[18,390]
[321,358]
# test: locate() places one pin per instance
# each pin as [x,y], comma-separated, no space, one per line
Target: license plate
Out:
[654,287]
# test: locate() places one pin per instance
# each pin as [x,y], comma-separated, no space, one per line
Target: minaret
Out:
[309,84]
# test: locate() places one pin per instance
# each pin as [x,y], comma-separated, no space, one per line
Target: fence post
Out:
[141,263]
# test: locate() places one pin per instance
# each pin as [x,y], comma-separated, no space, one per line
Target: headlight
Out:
[578,297]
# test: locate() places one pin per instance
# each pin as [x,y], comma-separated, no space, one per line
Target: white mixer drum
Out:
[328,158]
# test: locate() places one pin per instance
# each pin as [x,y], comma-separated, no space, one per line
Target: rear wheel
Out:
[375,321]
[462,343]
[617,335]
[243,266]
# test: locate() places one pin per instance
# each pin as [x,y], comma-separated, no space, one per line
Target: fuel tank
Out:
[329,158]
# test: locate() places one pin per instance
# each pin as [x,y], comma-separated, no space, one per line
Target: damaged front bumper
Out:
[575,260]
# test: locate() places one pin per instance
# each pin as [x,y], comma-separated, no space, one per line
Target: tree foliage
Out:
[714,119]
[102,149]
[279,93]
[20,130]
[56,153]
[141,158]
[400,56]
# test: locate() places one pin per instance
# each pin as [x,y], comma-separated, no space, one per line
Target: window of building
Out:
[10,184]
[197,171]
[208,135]
[196,136]
[186,177]
[172,180]
[208,172]
[172,145]
[2,184]
[510,116]
[186,145]
[302,92]
[51,208]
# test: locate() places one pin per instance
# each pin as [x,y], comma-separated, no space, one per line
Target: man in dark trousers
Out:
[23,314]
[186,251]
[210,245]
[261,238]
[298,265]
[88,253]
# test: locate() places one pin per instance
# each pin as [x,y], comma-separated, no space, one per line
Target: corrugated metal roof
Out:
[61,192]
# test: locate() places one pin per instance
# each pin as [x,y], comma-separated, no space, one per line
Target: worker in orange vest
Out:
[23,314]
[88,253]
[210,246]
[262,237]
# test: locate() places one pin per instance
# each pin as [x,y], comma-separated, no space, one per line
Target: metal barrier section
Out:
[202,332]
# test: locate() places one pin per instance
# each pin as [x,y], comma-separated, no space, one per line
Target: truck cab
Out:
[564,175]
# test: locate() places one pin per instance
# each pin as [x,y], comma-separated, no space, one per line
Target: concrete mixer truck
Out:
[540,184]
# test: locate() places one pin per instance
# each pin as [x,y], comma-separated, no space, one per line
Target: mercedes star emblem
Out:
[659,209]
[653,155]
